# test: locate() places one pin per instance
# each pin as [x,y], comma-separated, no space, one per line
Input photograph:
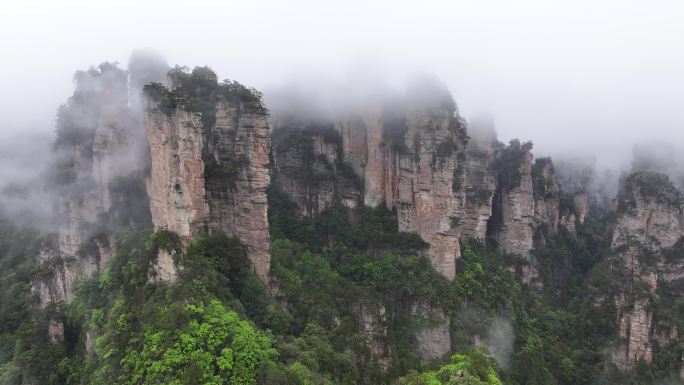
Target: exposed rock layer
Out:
[407,155]
[97,180]
[650,222]
[209,149]
[480,187]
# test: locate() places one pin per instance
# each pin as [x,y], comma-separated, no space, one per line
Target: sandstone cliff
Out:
[373,325]
[576,180]
[310,167]
[646,237]
[512,222]
[209,150]
[546,195]
[407,154]
[480,187]
[97,180]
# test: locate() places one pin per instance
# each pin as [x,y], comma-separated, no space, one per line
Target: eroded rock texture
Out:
[429,175]
[373,325]
[311,168]
[97,179]
[98,184]
[512,222]
[546,195]
[432,340]
[576,182]
[408,154]
[480,186]
[209,149]
[647,239]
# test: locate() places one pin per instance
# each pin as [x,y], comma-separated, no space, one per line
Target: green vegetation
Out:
[298,159]
[214,346]
[567,203]
[372,230]
[189,332]
[652,186]
[199,91]
[18,246]
[508,164]
[394,129]
[445,149]
[542,185]
[474,368]
[345,286]
[218,325]
[332,265]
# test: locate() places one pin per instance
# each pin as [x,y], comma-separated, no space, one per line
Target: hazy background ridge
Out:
[580,77]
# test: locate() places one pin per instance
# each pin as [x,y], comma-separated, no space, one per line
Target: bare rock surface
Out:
[650,212]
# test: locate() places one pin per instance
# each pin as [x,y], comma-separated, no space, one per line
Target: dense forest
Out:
[219,324]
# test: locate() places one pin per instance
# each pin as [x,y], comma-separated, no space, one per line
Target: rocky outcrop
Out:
[203,158]
[573,210]
[407,154]
[527,201]
[480,187]
[58,282]
[373,324]
[512,222]
[164,268]
[575,178]
[176,181]
[650,214]
[429,174]
[581,206]
[97,185]
[309,165]
[209,149]
[650,209]
[96,177]
[433,340]
[546,196]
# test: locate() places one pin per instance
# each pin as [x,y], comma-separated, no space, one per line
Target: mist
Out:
[24,159]
[582,80]
[499,341]
[39,168]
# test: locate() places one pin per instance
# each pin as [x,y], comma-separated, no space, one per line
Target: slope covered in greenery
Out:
[219,324]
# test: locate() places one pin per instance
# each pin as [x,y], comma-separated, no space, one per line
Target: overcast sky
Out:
[572,76]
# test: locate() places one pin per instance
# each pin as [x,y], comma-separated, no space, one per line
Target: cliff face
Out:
[209,149]
[512,223]
[480,187]
[406,154]
[528,205]
[546,195]
[433,341]
[96,179]
[429,171]
[311,168]
[575,178]
[573,210]
[648,228]
[176,181]
[413,154]
[202,156]
[373,325]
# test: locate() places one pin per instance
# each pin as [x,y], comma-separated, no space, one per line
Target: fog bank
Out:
[580,79]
